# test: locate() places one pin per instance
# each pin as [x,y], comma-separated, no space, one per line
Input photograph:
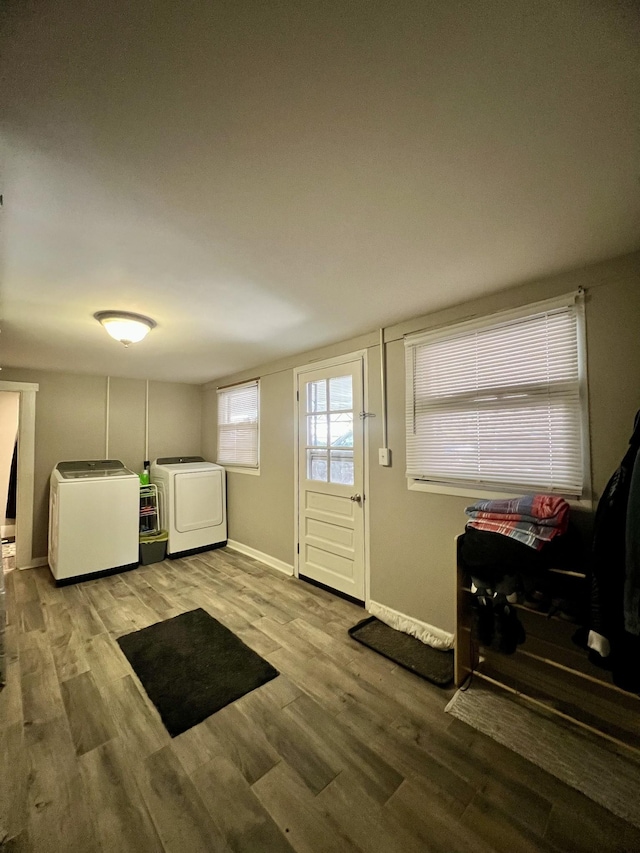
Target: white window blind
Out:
[497,404]
[238,425]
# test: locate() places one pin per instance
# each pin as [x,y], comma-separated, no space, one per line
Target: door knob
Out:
[357,498]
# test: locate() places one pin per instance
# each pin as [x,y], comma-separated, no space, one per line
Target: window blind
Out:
[498,403]
[238,425]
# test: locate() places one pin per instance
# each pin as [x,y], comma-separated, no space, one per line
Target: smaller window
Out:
[238,425]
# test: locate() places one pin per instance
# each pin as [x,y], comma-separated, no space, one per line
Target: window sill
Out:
[477,492]
[233,469]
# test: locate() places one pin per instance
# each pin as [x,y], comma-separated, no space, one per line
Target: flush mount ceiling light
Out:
[125,327]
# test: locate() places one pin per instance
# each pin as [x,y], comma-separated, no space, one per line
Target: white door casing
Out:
[331,475]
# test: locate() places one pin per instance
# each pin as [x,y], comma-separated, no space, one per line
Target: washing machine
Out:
[193,503]
[94,512]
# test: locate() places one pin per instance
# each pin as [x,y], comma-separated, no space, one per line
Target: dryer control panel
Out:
[178,460]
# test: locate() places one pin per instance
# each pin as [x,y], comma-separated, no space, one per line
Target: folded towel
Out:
[532,519]
[548,510]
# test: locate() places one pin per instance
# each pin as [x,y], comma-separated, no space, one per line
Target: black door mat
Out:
[191,666]
[433,664]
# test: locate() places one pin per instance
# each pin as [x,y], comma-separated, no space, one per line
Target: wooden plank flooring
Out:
[342,752]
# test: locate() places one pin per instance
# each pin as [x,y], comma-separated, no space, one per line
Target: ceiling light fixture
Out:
[125,327]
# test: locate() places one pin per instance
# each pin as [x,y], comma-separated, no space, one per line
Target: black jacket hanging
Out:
[607,569]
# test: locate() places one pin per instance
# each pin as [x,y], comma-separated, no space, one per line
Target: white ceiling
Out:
[263,178]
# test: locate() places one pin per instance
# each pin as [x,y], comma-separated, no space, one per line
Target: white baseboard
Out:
[273,562]
[428,634]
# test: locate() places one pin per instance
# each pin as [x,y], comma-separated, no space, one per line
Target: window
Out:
[499,404]
[329,415]
[238,425]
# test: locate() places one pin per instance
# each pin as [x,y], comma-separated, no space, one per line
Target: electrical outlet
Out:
[384,456]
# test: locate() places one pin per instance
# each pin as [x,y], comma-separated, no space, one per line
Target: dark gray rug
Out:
[433,664]
[191,666]
[572,754]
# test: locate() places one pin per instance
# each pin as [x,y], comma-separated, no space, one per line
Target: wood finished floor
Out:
[342,752]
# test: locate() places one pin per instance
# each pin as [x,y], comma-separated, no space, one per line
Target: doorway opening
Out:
[17,451]
[9,409]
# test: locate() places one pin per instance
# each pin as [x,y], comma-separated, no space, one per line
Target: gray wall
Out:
[271,528]
[71,422]
[412,533]
[261,508]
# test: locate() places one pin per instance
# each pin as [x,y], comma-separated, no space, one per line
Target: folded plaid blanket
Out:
[532,519]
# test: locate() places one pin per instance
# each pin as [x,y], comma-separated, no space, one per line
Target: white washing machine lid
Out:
[92,469]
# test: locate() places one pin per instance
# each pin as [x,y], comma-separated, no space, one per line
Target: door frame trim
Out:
[321,364]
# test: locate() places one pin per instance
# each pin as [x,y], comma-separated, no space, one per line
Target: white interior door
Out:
[331,477]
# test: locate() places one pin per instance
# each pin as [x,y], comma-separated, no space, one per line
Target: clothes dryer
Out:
[94,508]
[193,503]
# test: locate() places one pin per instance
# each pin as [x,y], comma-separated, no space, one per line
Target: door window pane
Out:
[317,430]
[342,467]
[341,427]
[330,430]
[317,396]
[317,465]
[340,393]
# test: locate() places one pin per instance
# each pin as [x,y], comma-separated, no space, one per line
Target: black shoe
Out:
[509,632]
[483,622]
[537,599]
[565,609]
